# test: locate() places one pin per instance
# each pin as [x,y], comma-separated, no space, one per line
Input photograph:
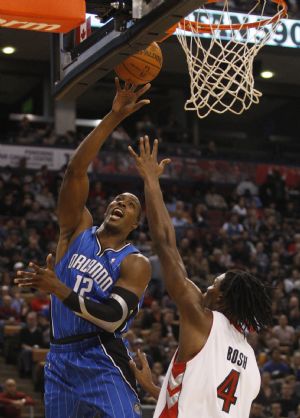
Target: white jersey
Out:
[221,381]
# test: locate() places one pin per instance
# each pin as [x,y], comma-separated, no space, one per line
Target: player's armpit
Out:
[67,236]
[110,314]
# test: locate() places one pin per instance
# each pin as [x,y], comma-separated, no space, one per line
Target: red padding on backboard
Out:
[42,15]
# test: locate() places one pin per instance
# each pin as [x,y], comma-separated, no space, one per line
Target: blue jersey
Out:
[91,273]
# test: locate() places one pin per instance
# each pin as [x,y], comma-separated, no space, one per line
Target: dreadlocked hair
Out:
[246,300]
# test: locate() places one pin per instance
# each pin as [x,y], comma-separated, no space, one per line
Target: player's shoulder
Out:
[136,264]
[136,260]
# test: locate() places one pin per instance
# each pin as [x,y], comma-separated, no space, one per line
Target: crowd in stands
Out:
[241,226]
[173,139]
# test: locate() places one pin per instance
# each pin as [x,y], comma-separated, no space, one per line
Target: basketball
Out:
[142,67]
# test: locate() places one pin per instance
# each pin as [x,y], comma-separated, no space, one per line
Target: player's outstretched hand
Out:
[39,278]
[127,98]
[146,162]
[144,375]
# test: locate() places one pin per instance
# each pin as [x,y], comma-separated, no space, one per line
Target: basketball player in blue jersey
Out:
[96,288]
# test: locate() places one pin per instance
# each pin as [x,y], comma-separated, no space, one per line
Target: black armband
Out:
[108,314]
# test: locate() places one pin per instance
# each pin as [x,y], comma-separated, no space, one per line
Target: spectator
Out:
[7,312]
[170,327]
[276,410]
[45,198]
[36,213]
[247,185]
[120,139]
[143,244]
[13,400]
[268,392]
[214,200]
[257,411]
[156,286]
[276,366]
[154,348]
[180,218]
[240,253]
[30,337]
[284,332]
[145,127]
[296,365]
[240,208]
[287,402]
[40,301]
[152,315]
[199,215]
[215,264]
[232,228]
[261,258]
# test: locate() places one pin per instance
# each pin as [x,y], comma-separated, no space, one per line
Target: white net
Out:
[220,62]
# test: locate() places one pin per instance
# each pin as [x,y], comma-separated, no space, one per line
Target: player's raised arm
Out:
[180,288]
[72,214]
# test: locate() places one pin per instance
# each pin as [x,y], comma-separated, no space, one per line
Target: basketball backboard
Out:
[126,27]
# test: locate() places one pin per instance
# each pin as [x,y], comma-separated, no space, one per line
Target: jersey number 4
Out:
[226,390]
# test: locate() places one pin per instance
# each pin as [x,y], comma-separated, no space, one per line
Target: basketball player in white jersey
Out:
[213,373]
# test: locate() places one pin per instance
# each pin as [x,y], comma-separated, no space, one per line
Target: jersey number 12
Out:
[226,390]
[86,281]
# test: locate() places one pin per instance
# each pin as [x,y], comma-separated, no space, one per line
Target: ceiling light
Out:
[8,50]
[267,74]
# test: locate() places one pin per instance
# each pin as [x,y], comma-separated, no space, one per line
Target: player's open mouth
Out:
[117,213]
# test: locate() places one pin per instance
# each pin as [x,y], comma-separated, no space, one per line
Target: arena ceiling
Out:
[29,67]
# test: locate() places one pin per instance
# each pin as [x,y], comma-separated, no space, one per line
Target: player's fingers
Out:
[26,285]
[25,281]
[155,149]
[147,145]
[142,147]
[117,84]
[143,358]
[24,274]
[127,85]
[35,267]
[140,104]
[165,162]
[132,152]
[134,368]
[50,262]
[143,90]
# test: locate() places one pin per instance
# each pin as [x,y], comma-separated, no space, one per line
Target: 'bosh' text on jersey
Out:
[93,268]
[236,357]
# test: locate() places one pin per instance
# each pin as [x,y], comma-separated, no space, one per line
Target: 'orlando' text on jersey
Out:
[91,273]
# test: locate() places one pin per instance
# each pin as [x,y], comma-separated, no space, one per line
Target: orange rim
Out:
[188,25]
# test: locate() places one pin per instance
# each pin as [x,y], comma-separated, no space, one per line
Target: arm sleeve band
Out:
[109,314]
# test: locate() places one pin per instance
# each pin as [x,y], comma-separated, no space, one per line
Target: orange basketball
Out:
[142,67]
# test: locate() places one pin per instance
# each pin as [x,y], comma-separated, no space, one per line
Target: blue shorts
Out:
[90,379]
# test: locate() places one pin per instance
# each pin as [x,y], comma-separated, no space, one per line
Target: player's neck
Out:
[108,239]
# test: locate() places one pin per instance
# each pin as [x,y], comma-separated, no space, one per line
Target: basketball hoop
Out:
[220,56]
